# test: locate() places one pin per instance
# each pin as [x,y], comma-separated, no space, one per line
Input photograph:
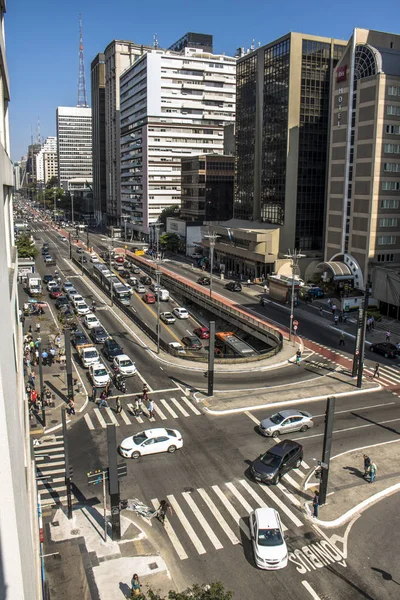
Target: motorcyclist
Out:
[93,305]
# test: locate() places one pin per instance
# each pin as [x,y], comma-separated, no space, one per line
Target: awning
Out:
[339,270]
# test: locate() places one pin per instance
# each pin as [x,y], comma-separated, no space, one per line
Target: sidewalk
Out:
[348,492]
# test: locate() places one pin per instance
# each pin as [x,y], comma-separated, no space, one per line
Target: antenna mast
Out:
[82,101]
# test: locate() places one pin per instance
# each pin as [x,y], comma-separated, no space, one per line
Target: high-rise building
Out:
[207,188]
[173,105]
[31,166]
[200,41]
[363,210]
[74,143]
[98,85]
[48,154]
[19,528]
[17,175]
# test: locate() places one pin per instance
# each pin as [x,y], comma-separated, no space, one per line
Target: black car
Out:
[79,338]
[47,278]
[135,270]
[387,349]
[277,461]
[111,349]
[62,301]
[99,335]
[234,286]
[192,342]
[124,273]
[204,281]
[45,251]
[145,279]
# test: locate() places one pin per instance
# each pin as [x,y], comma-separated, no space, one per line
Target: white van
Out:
[164,294]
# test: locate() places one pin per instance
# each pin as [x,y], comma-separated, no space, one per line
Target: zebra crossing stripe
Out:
[232,511]
[292,482]
[160,413]
[138,419]
[100,417]
[112,416]
[125,417]
[169,409]
[190,405]
[186,525]
[290,496]
[89,421]
[256,497]
[197,513]
[173,538]
[281,505]
[179,407]
[239,496]
[217,515]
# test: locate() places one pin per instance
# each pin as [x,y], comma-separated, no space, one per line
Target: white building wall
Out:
[50,145]
[74,143]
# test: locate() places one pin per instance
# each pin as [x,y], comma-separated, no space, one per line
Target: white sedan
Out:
[81,308]
[269,546]
[181,313]
[99,375]
[124,365]
[151,441]
[90,321]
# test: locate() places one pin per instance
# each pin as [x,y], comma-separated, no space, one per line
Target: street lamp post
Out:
[158,280]
[125,218]
[368,288]
[55,200]
[110,249]
[212,237]
[72,208]
[157,234]
[294,257]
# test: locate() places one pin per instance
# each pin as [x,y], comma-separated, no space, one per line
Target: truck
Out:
[88,354]
[34,284]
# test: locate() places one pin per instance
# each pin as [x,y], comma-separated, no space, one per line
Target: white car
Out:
[167,317]
[82,308]
[76,298]
[67,286]
[51,285]
[91,321]
[124,365]
[140,288]
[71,292]
[181,313]
[177,348]
[269,546]
[151,441]
[99,375]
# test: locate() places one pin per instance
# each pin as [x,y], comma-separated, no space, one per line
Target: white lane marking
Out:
[173,538]
[347,429]
[197,513]
[304,464]
[125,417]
[144,381]
[89,421]
[179,407]
[252,417]
[159,412]
[383,376]
[290,496]
[281,505]
[232,511]
[190,405]
[349,410]
[217,515]
[309,589]
[186,525]
[100,418]
[169,409]
[298,472]
[239,496]
[292,482]
[131,408]
[112,417]
[256,497]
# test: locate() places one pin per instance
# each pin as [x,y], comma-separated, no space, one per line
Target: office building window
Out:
[386,240]
[391,167]
[385,257]
[393,110]
[388,222]
[393,90]
[390,204]
[392,129]
[391,148]
[393,186]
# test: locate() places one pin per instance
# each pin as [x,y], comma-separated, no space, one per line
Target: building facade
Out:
[50,166]
[207,183]
[173,105]
[200,41]
[19,530]
[98,86]
[31,165]
[48,154]
[74,143]
[363,209]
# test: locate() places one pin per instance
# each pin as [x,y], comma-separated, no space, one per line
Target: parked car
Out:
[386,349]
[192,342]
[51,285]
[145,279]
[124,273]
[233,286]
[204,281]
[167,317]
[180,312]
[286,421]
[278,460]
[202,332]
[111,349]
[151,441]
[269,546]
[120,259]
[124,365]
[71,292]
[149,298]
[67,285]
[99,335]
[132,280]
[155,287]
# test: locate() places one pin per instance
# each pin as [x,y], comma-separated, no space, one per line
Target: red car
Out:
[119,259]
[202,332]
[149,298]
[56,294]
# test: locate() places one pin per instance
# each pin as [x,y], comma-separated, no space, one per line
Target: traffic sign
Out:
[296,323]
[295,327]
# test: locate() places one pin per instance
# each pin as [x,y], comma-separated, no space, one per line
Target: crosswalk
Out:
[388,376]
[175,408]
[50,471]
[209,519]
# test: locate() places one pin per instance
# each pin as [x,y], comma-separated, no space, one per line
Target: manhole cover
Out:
[153,566]
[75,531]
[189,490]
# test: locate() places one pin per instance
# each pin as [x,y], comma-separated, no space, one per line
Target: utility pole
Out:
[294,257]
[326,452]
[157,232]
[70,245]
[113,482]
[72,208]
[87,237]
[125,218]
[212,237]
[158,280]
[41,385]
[68,470]
[210,390]
[110,249]
[55,200]
[68,364]
[363,334]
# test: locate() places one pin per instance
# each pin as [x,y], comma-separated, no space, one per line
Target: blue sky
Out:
[42,39]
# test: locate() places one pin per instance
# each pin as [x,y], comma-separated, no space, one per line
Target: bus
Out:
[228,344]
[110,282]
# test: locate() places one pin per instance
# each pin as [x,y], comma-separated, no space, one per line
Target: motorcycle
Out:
[119,382]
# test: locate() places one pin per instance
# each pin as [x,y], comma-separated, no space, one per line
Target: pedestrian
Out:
[373,322]
[71,407]
[30,329]
[32,379]
[377,371]
[367,464]
[265,288]
[103,403]
[336,320]
[150,408]
[52,355]
[57,341]
[341,341]
[333,309]
[162,510]
[135,586]
[107,388]
[138,406]
[340,317]
[37,328]
[248,283]
[315,504]
[345,317]
[145,395]
[33,397]
[328,302]
[388,335]
[94,393]
[298,357]
[45,356]
[372,472]
[321,310]
[118,405]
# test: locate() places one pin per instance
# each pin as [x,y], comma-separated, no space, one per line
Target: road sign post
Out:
[326,452]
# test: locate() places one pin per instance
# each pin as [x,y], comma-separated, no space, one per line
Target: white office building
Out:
[172,105]
[47,157]
[74,143]
[19,529]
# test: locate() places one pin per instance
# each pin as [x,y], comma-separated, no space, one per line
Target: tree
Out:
[52,182]
[170,211]
[26,247]
[214,591]
[171,241]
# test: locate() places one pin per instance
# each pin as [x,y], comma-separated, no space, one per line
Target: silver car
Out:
[286,421]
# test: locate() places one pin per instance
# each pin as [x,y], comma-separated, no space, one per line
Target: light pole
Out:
[212,237]
[157,234]
[110,249]
[55,200]
[294,257]
[72,207]
[158,280]
[125,218]
[368,289]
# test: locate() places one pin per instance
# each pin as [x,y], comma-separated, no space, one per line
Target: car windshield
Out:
[277,418]
[125,363]
[139,438]
[113,346]
[269,537]
[171,432]
[100,372]
[271,460]
[91,354]
[92,319]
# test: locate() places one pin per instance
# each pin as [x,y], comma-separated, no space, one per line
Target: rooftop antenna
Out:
[252,44]
[155,38]
[82,101]
[39,139]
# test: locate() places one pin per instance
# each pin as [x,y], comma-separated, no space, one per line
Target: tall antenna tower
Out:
[82,101]
[39,138]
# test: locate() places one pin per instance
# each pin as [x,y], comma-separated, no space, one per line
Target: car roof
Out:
[122,357]
[267,518]
[290,413]
[91,315]
[156,431]
[385,345]
[281,448]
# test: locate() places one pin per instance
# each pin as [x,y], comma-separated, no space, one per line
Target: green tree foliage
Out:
[214,591]
[52,182]
[170,211]
[26,247]
[171,241]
